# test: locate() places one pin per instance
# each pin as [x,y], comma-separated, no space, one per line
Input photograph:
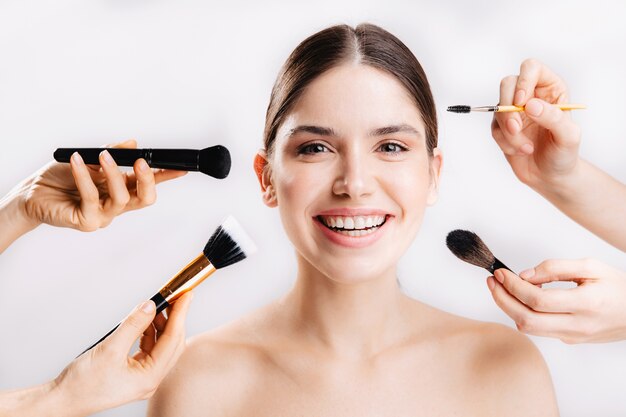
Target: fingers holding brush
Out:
[528,320]
[507,127]
[545,300]
[540,143]
[537,80]
[106,377]
[593,311]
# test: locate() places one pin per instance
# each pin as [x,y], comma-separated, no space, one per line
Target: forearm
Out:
[13,220]
[42,401]
[593,199]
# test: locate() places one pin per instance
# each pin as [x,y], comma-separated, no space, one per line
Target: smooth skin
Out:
[87,198]
[541,145]
[345,340]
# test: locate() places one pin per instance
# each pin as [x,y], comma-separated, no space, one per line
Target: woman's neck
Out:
[355,320]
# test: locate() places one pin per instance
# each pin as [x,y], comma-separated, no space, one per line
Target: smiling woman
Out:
[352,163]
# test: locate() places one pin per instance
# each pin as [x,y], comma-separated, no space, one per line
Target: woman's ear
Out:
[263,172]
[436,162]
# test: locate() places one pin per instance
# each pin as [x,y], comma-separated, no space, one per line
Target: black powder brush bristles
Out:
[468,247]
[214,161]
[228,244]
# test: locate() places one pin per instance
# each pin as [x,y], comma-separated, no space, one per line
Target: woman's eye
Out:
[312,148]
[391,147]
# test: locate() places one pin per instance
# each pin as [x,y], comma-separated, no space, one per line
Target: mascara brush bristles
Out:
[468,247]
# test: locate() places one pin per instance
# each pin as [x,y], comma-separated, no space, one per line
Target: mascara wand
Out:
[507,109]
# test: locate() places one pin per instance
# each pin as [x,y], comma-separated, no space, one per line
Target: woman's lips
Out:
[353,238]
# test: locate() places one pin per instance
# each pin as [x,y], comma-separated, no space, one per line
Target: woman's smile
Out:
[352,227]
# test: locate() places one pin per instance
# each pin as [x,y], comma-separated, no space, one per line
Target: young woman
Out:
[351,162]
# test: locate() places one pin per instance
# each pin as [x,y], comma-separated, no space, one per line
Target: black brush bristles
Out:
[214,161]
[229,244]
[468,247]
[460,109]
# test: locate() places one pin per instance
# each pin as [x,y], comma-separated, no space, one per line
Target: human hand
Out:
[88,197]
[106,377]
[593,311]
[541,144]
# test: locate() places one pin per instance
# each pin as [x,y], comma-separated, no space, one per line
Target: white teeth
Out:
[358,223]
[357,233]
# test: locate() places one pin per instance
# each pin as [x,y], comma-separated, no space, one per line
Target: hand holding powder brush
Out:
[229,244]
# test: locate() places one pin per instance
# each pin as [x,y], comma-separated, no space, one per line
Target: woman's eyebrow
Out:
[316,130]
[387,130]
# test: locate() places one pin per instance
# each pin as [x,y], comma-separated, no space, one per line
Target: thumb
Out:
[563,270]
[564,131]
[132,327]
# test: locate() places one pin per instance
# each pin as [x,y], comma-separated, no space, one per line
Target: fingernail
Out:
[527,273]
[490,283]
[143,165]
[534,108]
[78,160]
[499,276]
[147,307]
[519,97]
[106,156]
[527,148]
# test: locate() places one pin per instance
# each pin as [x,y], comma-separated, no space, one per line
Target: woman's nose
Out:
[354,177]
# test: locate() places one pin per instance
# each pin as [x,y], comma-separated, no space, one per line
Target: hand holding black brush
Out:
[229,244]
[468,247]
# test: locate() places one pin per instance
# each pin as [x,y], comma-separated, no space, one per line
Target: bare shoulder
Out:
[213,374]
[501,364]
[511,366]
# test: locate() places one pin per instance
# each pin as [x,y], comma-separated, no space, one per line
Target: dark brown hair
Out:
[366,44]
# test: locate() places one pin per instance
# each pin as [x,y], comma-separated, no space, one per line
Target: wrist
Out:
[14,220]
[43,400]
[562,186]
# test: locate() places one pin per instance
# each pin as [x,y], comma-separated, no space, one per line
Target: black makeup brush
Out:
[468,247]
[229,244]
[213,161]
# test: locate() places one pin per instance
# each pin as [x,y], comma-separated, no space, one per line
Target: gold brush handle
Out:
[187,278]
[508,109]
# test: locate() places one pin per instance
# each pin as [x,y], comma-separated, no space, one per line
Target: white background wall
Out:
[196,73]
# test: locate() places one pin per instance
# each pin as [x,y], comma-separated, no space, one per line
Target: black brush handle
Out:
[497,265]
[161,305]
[179,159]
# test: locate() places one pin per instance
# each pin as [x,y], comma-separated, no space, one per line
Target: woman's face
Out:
[350,173]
